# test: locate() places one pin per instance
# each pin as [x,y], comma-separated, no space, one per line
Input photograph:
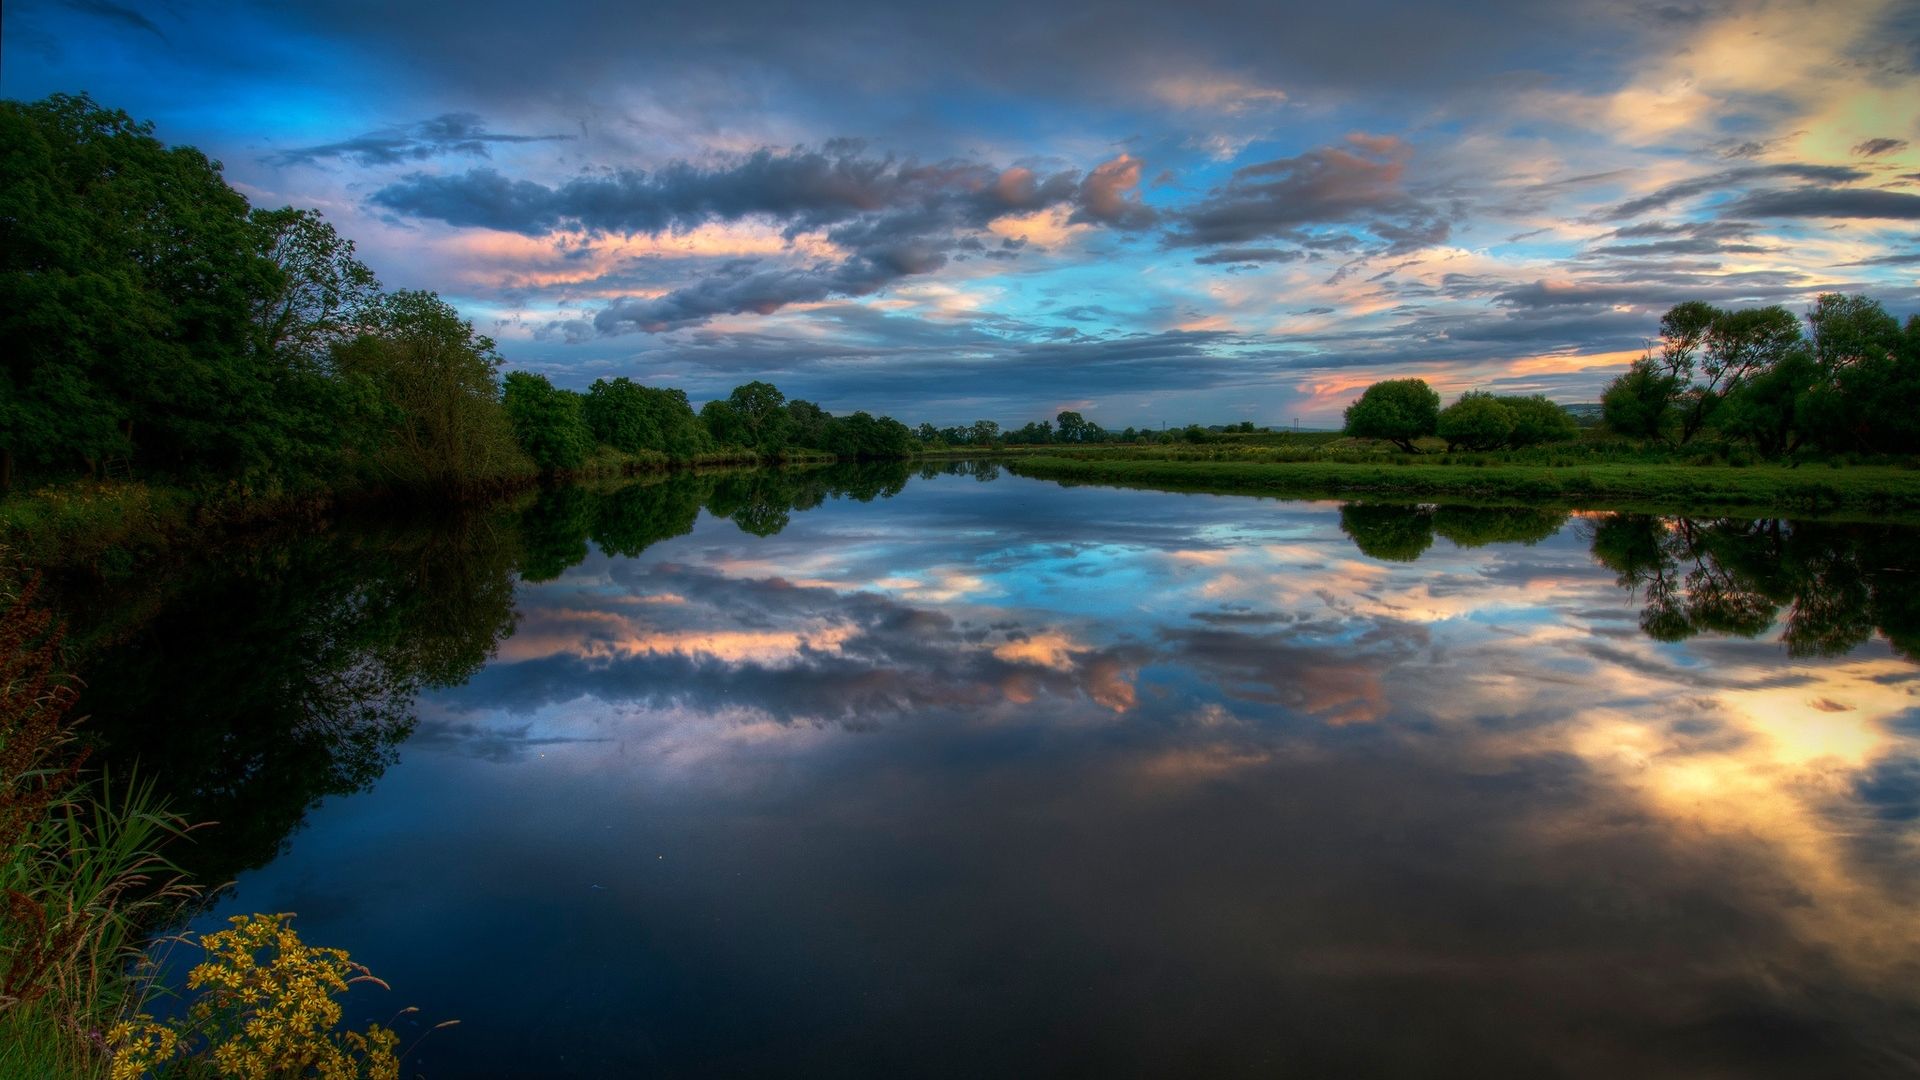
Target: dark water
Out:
[957,774]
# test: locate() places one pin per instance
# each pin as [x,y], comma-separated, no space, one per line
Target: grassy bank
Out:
[1872,490]
[114,525]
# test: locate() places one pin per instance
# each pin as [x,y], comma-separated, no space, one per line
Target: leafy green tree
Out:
[1770,410]
[1034,434]
[1478,421]
[321,295]
[983,433]
[807,424]
[1072,427]
[1868,377]
[438,381]
[1537,420]
[547,421]
[1710,351]
[725,426]
[128,276]
[617,413]
[1397,410]
[862,437]
[1639,402]
[761,416]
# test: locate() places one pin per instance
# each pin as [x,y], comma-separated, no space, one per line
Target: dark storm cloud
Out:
[1730,180]
[1815,202]
[1876,147]
[448,133]
[1361,184]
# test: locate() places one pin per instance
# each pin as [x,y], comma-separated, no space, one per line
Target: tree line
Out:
[1843,385]
[159,325]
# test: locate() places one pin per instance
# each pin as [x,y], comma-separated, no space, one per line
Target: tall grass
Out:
[80,879]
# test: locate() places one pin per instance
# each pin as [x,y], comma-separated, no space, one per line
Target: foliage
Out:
[546,422]
[1640,401]
[439,382]
[1397,410]
[1537,420]
[1478,421]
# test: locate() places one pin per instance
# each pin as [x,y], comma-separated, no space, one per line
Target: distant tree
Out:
[619,414]
[860,436]
[1478,421]
[929,434]
[759,408]
[546,421]
[806,425]
[1639,402]
[1397,410]
[1536,420]
[1073,428]
[983,433]
[1034,434]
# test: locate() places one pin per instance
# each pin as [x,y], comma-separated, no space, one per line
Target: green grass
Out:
[1879,490]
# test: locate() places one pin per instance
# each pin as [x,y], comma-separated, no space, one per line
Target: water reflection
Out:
[858,773]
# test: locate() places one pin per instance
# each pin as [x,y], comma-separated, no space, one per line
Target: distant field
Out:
[1876,490]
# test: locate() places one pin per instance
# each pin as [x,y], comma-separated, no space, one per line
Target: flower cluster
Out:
[266,1009]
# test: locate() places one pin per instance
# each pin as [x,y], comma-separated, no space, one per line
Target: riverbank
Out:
[1881,491]
[112,525]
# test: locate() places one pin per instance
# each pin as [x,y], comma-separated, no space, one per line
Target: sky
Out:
[1151,213]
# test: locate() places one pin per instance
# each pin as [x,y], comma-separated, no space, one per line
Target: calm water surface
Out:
[968,775]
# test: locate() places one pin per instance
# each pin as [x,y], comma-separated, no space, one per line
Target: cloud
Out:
[1228,256]
[1876,147]
[1359,184]
[894,219]
[448,133]
[1730,180]
[1813,202]
[105,9]
[1109,195]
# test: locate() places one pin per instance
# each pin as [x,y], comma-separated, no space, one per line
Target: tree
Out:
[1478,421]
[1770,410]
[546,421]
[1538,420]
[1639,402]
[1709,352]
[757,406]
[437,379]
[983,433]
[1397,410]
[128,276]
[807,424]
[1073,428]
[321,294]
[619,415]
